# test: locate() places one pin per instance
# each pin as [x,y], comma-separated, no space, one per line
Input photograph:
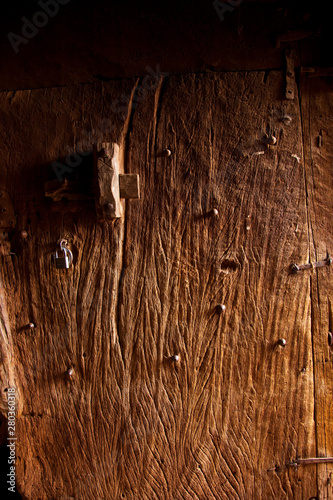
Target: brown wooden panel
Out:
[224,419]
[236,404]
[317,114]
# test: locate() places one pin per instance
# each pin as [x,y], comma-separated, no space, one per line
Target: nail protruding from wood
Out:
[23,234]
[70,372]
[294,268]
[271,140]
[31,325]
[220,308]
[282,342]
[286,119]
[175,358]
[311,265]
[214,212]
[164,153]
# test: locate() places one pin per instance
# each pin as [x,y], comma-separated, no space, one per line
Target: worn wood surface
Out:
[317,111]
[170,396]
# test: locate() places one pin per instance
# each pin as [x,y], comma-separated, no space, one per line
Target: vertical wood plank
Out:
[317,116]
[237,406]
[69,431]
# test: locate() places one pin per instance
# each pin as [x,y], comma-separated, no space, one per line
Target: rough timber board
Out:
[236,406]
[131,423]
[317,112]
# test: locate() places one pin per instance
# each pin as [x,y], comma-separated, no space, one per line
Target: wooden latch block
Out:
[7,215]
[129,186]
[110,184]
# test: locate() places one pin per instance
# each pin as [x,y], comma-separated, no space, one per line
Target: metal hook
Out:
[66,259]
[67,251]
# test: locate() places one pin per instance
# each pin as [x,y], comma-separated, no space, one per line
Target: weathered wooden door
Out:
[199,364]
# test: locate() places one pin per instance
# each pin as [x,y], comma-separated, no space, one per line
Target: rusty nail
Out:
[294,268]
[286,119]
[220,308]
[23,234]
[214,212]
[164,153]
[271,140]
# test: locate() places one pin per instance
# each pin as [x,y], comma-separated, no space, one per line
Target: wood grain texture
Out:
[131,422]
[7,360]
[317,112]
[237,405]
